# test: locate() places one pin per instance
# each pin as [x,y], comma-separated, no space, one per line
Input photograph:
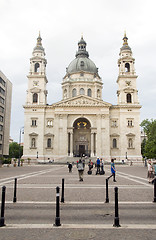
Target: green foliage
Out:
[149,146]
[143,148]
[6,161]
[15,151]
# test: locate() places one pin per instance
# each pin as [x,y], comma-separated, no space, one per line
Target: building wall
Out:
[7,96]
[125,130]
[114,129]
[101,120]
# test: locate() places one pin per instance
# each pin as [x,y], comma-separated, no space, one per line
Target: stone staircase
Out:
[64,160]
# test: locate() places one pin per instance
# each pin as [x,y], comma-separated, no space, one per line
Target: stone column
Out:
[95,141]
[92,144]
[71,144]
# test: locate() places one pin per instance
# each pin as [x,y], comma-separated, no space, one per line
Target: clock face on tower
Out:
[35,83]
[128,83]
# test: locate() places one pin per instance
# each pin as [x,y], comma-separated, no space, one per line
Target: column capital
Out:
[70,130]
[93,130]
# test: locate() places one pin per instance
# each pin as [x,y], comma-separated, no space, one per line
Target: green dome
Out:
[82,63]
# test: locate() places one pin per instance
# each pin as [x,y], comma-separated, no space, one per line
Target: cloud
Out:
[61,23]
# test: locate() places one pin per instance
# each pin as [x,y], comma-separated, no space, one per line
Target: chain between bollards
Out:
[57,219]
[154,200]
[62,198]
[15,191]
[2,219]
[107,196]
[116,219]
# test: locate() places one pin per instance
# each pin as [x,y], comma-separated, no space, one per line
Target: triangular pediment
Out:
[49,135]
[130,135]
[35,90]
[82,101]
[33,134]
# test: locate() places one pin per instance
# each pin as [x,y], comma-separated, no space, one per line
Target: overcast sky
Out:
[61,24]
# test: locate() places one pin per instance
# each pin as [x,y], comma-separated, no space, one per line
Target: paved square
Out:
[84,214]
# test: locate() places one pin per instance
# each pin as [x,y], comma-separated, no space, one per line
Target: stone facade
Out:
[82,123]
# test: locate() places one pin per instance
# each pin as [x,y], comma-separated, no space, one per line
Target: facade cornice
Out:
[36,106]
[126,76]
[38,57]
[79,72]
[90,81]
[126,58]
[37,75]
[53,106]
[126,106]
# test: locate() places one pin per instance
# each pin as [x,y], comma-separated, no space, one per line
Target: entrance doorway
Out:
[81,137]
[81,150]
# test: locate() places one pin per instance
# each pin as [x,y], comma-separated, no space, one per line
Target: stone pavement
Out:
[84,215]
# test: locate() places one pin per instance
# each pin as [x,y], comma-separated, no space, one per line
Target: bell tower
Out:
[127,92]
[37,80]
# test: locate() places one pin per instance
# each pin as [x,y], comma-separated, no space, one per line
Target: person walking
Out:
[102,166]
[70,167]
[150,171]
[90,165]
[113,170]
[80,167]
[98,166]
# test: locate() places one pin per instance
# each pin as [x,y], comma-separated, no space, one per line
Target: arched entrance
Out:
[81,138]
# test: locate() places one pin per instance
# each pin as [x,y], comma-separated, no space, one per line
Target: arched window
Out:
[65,93]
[127,67]
[98,93]
[114,143]
[81,91]
[35,98]
[74,92]
[130,123]
[129,98]
[130,143]
[34,123]
[33,143]
[89,92]
[37,65]
[50,123]
[82,63]
[49,143]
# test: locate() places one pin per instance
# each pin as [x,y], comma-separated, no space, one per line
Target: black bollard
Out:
[116,219]
[154,190]
[15,191]
[19,162]
[2,219]
[107,197]
[57,219]
[62,198]
[145,162]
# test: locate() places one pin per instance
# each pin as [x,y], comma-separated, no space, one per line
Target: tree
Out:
[15,150]
[149,146]
[143,148]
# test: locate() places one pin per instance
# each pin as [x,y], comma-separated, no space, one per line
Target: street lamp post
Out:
[126,156]
[21,132]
